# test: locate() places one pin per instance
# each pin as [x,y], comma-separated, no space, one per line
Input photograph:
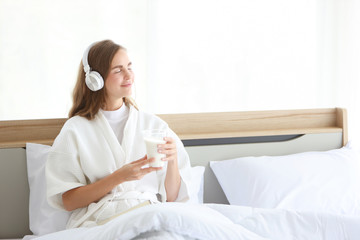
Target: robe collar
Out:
[121,152]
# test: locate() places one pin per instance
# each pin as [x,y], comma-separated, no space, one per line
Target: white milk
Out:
[152,151]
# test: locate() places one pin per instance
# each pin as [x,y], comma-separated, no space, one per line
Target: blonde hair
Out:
[87,103]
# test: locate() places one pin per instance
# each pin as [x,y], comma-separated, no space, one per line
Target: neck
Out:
[113,105]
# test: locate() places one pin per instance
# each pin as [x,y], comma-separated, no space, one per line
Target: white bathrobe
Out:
[86,151]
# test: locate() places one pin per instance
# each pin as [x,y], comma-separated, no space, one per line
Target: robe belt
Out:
[136,195]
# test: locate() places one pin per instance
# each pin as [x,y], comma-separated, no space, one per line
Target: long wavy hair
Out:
[87,103]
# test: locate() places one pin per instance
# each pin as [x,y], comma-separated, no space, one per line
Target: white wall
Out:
[189,56]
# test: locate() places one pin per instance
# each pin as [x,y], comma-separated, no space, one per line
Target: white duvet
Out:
[217,221]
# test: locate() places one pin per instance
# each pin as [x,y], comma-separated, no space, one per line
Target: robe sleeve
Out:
[63,168]
[184,169]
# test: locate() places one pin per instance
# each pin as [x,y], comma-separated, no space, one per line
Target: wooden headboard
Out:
[199,125]
[207,137]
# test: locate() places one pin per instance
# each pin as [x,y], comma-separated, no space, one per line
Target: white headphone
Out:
[93,79]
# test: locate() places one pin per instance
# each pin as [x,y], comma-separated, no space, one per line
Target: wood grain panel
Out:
[199,125]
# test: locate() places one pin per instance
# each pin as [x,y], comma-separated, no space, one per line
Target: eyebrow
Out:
[120,66]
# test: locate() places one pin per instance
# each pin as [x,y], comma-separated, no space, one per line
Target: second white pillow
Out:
[312,181]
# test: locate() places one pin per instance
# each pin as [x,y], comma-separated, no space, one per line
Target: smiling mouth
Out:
[126,85]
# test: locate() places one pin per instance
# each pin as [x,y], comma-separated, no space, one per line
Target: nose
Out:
[127,74]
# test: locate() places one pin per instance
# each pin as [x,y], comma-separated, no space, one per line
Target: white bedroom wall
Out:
[42,42]
[189,56]
[347,64]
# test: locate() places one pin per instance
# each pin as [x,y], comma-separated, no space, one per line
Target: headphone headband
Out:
[93,79]
[85,58]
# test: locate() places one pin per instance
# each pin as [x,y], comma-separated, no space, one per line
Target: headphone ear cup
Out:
[94,81]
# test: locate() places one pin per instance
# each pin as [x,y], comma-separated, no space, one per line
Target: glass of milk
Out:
[152,138]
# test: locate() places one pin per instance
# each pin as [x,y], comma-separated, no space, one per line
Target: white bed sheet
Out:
[217,221]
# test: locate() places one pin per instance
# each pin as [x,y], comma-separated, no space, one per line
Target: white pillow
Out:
[313,181]
[44,219]
[196,190]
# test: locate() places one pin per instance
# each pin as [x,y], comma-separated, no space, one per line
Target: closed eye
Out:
[117,69]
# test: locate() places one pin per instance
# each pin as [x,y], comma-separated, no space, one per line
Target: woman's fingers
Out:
[150,169]
[169,145]
[144,161]
[140,161]
[169,153]
[135,169]
[169,149]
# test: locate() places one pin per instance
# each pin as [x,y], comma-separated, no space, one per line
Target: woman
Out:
[97,167]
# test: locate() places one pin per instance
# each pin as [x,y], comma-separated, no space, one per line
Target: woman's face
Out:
[120,79]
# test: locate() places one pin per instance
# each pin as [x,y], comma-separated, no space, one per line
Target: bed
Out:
[290,171]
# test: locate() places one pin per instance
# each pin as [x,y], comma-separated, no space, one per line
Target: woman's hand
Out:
[83,196]
[169,149]
[172,179]
[136,170]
